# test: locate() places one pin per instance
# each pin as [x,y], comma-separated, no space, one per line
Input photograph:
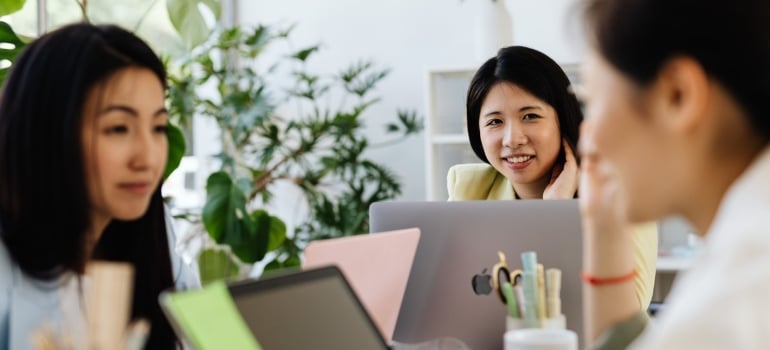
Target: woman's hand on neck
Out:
[563,182]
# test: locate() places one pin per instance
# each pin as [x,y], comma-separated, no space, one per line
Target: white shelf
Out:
[446,142]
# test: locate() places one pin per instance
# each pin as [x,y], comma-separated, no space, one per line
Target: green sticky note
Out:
[210,320]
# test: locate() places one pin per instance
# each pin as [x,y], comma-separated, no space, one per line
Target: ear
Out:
[680,95]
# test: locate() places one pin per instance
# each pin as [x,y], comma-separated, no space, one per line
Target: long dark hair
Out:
[731,41]
[44,207]
[532,71]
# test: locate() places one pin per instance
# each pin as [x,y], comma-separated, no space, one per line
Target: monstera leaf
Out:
[8,7]
[227,221]
[176,149]
[188,20]
[10,46]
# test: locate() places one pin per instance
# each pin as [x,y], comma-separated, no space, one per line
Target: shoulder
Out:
[185,274]
[6,284]
[6,267]
[470,181]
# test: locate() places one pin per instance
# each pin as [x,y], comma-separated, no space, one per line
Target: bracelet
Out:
[599,281]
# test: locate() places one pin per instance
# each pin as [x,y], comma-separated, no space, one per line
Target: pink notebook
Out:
[376,266]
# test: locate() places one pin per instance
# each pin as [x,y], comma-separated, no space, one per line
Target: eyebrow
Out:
[529,108]
[522,109]
[131,111]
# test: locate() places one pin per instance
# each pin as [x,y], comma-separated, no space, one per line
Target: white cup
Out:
[540,339]
[558,322]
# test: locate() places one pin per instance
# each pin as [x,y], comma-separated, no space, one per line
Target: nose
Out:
[149,151]
[514,136]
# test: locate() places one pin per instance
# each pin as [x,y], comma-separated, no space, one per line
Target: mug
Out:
[540,339]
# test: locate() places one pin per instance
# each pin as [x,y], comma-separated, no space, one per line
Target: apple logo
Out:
[481,283]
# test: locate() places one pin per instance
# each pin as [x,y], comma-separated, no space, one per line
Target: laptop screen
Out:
[314,309]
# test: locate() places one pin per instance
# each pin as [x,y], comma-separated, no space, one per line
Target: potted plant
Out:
[320,150]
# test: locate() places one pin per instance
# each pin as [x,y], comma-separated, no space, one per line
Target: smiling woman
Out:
[83,147]
[523,122]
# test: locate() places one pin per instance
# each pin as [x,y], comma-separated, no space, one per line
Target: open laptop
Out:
[376,267]
[458,241]
[312,309]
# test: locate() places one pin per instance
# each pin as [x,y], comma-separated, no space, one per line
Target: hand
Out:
[564,177]
[602,202]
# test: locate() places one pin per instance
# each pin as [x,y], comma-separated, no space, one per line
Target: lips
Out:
[136,187]
[518,161]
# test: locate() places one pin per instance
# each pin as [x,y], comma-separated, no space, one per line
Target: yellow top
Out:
[482,182]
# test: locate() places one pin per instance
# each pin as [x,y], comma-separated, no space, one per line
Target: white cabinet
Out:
[446,139]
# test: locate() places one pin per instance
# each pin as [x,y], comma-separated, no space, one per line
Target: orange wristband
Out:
[599,281]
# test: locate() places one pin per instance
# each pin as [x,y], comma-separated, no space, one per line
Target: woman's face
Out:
[622,132]
[520,134]
[124,143]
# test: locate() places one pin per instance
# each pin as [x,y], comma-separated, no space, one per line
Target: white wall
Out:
[408,36]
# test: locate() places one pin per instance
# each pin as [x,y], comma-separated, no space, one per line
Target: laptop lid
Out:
[458,241]
[376,267]
[312,309]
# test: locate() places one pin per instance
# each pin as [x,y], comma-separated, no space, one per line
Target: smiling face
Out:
[520,136]
[124,144]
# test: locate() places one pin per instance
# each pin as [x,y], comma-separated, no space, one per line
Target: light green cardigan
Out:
[483,182]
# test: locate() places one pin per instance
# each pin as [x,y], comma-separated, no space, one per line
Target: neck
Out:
[532,190]
[706,198]
[98,225]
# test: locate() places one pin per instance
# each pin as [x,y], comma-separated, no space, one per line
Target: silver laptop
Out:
[460,240]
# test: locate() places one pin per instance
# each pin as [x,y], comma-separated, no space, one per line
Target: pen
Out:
[541,315]
[519,291]
[530,297]
[553,292]
[510,300]
[529,262]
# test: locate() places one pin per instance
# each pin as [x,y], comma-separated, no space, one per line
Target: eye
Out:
[161,129]
[116,129]
[493,122]
[530,116]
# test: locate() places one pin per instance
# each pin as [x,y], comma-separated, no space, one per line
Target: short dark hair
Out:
[44,204]
[534,72]
[731,41]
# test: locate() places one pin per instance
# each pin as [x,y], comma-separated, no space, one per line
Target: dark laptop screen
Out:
[314,309]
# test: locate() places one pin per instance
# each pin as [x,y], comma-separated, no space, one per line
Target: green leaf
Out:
[224,214]
[9,39]
[303,54]
[277,234]
[216,264]
[8,7]
[188,20]
[253,246]
[176,149]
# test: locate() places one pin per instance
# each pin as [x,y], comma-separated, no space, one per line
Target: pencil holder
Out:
[558,322]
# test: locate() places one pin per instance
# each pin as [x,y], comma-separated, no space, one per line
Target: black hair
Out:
[534,72]
[729,40]
[44,205]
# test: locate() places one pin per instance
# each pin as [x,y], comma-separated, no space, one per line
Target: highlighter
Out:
[510,300]
[530,297]
[541,314]
[553,292]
